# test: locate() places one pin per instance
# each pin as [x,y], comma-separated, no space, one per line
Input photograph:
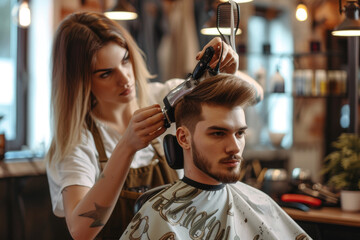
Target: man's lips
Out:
[231,161]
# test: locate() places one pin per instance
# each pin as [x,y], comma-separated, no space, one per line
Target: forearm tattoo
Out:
[98,215]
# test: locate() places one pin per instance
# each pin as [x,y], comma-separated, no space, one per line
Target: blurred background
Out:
[288,48]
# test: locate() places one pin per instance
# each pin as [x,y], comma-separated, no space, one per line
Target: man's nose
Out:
[234,145]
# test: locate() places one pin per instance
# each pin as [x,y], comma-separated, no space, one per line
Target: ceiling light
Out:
[301,12]
[21,14]
[211,27]
[122,11]
[237,1]
[351,24]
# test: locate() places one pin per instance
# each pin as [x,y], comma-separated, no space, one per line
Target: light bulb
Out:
[21,14]
[346,33]
[215,31]
[301,12]
[238,1]
[121,15]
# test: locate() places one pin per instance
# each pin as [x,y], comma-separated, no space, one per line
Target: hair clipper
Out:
[186,87]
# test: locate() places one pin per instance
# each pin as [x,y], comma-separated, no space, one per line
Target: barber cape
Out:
[190,210]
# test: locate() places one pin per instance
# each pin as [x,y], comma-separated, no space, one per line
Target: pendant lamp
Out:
[351,25]
[123,10]
[237,1]
[21,14]
[212,26]
[301,11]
[350,28]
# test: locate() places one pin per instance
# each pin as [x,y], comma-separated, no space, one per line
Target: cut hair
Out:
[225,90]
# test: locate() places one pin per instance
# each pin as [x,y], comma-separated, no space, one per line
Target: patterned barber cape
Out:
[190,210]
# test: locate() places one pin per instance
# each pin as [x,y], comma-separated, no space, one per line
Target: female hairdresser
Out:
[104,149]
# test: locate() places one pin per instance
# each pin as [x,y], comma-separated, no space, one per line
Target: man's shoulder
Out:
[247,189]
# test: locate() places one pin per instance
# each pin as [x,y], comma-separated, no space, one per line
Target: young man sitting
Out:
[210,202]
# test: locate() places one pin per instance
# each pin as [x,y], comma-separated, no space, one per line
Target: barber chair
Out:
[174,157]
[147,195]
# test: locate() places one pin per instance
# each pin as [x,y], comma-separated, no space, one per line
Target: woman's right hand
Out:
[145,125]
[86,206]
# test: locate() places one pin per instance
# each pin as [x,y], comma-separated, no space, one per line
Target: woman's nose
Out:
[122,76]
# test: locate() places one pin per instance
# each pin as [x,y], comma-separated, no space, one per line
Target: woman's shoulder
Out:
[158,90]
[168,85]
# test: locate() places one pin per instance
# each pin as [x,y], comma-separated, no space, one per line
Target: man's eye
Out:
[240,134]
[218,134]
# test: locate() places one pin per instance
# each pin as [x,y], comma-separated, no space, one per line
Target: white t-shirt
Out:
[81,167]
[190,210]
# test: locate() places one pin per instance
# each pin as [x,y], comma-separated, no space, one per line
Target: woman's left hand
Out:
[229,60]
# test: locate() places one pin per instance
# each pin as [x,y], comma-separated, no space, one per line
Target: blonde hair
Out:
[223,89]
[76,42]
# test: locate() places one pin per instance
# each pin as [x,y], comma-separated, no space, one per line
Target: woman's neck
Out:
[116,116]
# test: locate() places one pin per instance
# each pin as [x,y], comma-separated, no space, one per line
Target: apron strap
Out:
[159,151]
[130,195]
[97,139]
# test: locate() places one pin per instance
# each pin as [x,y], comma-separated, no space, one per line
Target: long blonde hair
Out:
[76,42]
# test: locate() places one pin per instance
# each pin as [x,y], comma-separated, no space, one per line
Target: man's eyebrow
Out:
[218,128]
[102,70]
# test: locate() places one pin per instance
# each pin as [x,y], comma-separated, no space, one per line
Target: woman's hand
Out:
[230,59]
[145,125]
[88,209]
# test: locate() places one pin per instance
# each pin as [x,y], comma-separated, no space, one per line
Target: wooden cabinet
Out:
[328,223]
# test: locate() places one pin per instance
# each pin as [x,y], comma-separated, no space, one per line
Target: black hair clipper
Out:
[186,87]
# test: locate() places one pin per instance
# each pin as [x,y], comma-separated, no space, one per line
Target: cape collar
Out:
[202,186]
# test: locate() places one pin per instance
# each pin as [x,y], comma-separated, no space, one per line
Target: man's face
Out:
[217,144]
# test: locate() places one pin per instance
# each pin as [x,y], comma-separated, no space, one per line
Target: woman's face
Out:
[113,79]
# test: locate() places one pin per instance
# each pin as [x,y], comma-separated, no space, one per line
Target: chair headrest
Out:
[173,152]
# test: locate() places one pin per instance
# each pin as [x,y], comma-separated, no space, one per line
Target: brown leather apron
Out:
[138,181]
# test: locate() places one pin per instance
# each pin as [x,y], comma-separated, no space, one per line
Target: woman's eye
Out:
[105,74]
[126,58]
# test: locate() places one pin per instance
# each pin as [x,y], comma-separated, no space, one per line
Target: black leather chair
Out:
[147,195]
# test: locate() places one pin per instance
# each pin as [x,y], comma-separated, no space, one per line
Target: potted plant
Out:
[342,166]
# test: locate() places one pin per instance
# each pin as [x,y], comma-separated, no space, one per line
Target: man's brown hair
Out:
[226,90]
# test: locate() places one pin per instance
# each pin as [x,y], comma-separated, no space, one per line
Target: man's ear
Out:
[183,137]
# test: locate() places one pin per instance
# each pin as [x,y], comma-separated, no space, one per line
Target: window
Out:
[11,85]
[270,48]
[25,76]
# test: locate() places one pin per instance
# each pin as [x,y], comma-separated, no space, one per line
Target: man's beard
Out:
[231,176]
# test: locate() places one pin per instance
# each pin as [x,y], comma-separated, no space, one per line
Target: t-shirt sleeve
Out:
[80,167]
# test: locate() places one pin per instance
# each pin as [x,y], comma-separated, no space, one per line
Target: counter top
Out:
[18,164]
[330,215]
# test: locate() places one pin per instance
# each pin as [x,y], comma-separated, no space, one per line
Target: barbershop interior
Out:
[302,142]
